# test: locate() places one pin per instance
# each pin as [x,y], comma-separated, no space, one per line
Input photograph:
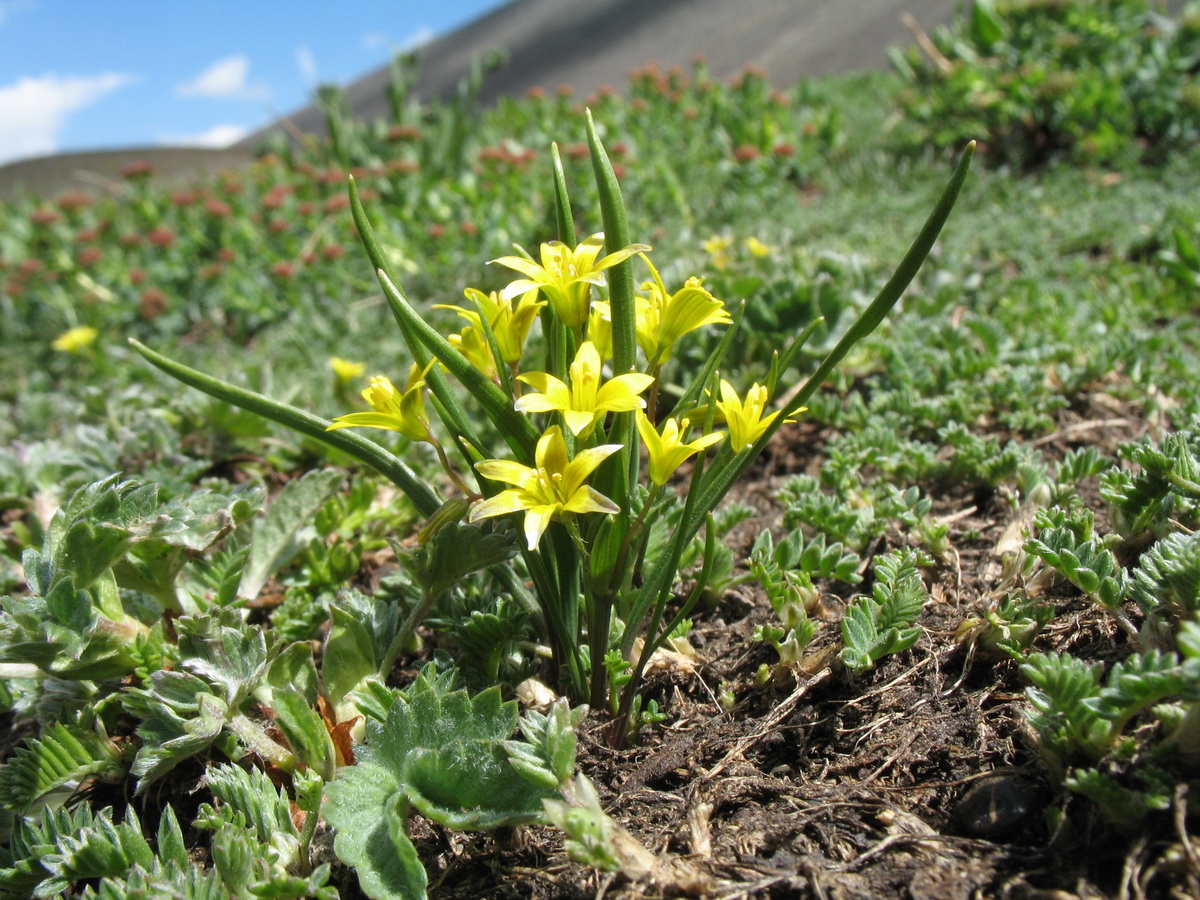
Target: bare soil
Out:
[920,779]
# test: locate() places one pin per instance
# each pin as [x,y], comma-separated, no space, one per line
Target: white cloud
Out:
[418,39]
[219,136]
[34,110]
[307,64]
[373,40]
[225,78]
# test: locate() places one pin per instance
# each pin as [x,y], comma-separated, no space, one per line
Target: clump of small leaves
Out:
[884,622]
[1126,738]
[1091,80]
[787,573]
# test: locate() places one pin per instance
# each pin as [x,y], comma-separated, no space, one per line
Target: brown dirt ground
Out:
[920,779]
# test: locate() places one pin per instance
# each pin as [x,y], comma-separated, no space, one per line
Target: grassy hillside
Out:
[938,638]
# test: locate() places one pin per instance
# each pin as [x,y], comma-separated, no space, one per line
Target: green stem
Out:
[254,739]
[407,630]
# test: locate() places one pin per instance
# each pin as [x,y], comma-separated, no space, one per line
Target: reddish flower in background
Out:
[401,166]
[468,229]
[783,150]
[218,208]
[537,92]
[137,276]
[90,256]
[44,216]
[404,133]
[74,201]
[161,237]
[226,254]
[333,251]
[336,203]
[184,198]
[746,153]
[283,270]
[153,303]
[137,169]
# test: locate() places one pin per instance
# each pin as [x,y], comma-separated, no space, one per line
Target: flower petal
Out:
[505,470]
[365,420]
[503,503]
[588,499]
[521,264]
[537,520]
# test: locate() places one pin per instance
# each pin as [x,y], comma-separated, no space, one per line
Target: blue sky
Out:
[94,74]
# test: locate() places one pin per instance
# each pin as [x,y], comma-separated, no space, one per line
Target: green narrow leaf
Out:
[364,450]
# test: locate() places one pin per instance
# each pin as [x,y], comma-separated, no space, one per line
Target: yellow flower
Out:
[393,410]
[566,276]
[667,450]
[599,329]
[472,344]
[586,401]
[663,320]
[718,248]
[76,340]
[555,489]
[510,324]
[745,420]
[344,370]
[758,248]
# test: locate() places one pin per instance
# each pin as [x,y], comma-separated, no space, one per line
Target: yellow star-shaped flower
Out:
[393,410]
[663,319]
[472,343]
[553,489]
[745,419]
[667,450]
[344,370]
[566,276]
[76,340]
[509,323]
[585,401]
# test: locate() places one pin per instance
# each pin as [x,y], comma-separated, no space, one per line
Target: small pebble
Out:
[993,807]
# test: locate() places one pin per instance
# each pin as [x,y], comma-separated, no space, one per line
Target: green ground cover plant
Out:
[938,629]
[1035,79]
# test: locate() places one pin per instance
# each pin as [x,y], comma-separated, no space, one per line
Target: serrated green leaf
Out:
[63,756]
[371,838]
[171,846]
[470,785]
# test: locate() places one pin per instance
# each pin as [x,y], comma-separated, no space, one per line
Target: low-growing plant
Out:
[1125,738]
[584,546]
[786,572]
[884,622]
[1093,80]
